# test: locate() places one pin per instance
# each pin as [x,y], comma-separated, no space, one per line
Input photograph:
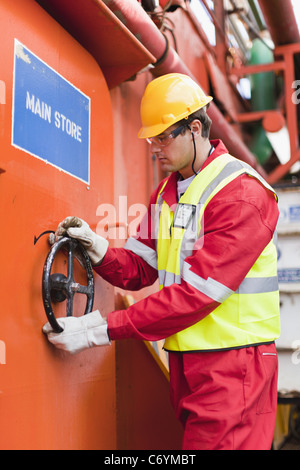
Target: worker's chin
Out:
[165,165]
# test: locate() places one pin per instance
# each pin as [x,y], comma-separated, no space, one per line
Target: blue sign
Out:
[289,275]
[51,117]
[294,213]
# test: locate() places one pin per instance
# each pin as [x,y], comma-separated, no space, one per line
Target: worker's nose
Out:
[155,147]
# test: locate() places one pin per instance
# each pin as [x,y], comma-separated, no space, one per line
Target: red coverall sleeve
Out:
[125,269]
[239,223]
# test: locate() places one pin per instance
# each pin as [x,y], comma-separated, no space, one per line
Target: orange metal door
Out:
[49,400]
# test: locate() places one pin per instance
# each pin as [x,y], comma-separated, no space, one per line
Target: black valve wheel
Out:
[57,287]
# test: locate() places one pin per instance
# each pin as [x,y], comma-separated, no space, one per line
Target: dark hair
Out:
[205,120]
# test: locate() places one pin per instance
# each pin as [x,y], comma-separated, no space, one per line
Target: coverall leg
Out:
[226,400]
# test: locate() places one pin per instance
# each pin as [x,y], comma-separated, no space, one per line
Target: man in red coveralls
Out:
[208,238]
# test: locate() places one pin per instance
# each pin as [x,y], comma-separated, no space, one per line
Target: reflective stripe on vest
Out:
[248,316]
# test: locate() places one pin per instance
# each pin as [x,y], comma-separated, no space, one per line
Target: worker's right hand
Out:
[95,245]
[79,333]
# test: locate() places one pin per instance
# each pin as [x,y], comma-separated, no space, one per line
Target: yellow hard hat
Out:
[167,100]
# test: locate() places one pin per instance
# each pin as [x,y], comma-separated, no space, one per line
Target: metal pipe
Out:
[168,61]
[280,20]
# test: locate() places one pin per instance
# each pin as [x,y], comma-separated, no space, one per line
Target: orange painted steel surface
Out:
[92,23]
[49,400]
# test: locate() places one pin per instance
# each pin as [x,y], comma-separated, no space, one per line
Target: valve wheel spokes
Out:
[57,287]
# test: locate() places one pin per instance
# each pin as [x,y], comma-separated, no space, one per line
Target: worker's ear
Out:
[195,127]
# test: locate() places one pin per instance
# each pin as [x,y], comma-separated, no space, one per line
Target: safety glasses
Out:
[164,140]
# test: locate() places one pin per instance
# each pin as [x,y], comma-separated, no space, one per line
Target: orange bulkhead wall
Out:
[49,400]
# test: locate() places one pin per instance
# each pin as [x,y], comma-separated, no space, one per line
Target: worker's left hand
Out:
[95,245]
[79,333]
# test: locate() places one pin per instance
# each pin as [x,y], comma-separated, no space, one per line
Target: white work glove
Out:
[79,333]
[95,245]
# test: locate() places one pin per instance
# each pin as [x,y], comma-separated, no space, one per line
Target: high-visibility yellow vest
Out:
[248,316]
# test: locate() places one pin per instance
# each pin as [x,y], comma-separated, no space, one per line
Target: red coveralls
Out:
[225,399]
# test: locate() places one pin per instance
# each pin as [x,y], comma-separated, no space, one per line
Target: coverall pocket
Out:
[267,363]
